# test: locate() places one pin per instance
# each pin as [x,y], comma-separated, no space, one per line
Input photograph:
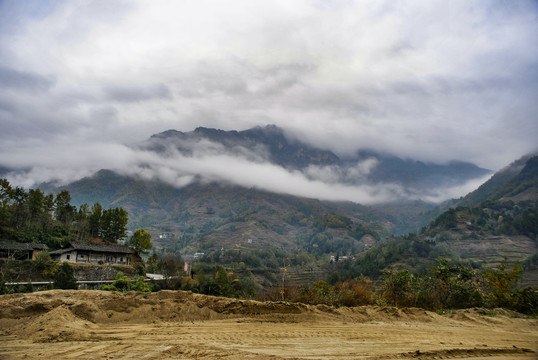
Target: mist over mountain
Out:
[213,212]
[268,143]
[211,216]
[268,158]
[211,181]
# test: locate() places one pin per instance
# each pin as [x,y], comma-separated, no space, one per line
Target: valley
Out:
[274,180]
[256,234]
[232,225]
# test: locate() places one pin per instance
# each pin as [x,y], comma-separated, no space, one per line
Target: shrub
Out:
[399,288]
[354,292]
[526,300]
[44,263]
[319,293]
[500,284]
[123,284]
[64,277]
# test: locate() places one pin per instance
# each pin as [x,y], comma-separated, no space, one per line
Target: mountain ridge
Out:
[495,223]
[506,181]
[207,209]
[281,150]
[232,222]
[367,166]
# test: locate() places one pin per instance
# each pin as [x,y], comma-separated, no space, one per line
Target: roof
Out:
[11,245]
[155,276]
[61,251]
[97,248]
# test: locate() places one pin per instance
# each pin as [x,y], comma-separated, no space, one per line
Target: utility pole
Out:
[284,271]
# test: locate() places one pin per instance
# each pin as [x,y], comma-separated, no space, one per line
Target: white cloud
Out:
[434,80]
[207,162]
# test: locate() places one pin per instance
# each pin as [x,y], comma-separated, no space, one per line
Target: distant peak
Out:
[273,129]
[104,173]
[268,130]
[167,134]
[213,134]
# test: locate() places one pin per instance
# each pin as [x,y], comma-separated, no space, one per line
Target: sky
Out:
[81,82]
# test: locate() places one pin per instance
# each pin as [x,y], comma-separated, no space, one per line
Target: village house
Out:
[341,258]
[10,250]
[78,252]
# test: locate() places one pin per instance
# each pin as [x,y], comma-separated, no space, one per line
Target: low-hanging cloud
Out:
[334,174]
[209,162]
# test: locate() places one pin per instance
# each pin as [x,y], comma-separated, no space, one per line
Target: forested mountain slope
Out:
[518,182]
[202,217]
[504,225]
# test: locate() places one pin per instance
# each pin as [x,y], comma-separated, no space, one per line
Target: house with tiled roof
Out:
[79,252]
[10,250]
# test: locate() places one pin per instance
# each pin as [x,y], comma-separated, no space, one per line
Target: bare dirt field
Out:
[180,325]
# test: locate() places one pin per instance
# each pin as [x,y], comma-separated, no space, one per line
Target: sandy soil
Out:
[180,325]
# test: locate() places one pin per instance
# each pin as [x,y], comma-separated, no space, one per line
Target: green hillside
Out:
[212,217]
[518,181]
[504,225]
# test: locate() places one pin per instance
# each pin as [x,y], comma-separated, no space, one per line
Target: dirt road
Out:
[180,325]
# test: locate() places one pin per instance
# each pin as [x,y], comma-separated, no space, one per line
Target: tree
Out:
[6,195]
[114,224]
[32,216]
[64,278]
[82,226]
[64,211]
[140,242]
[123,284]
[170,266]
[152,264]
[449,287]
[44,263]
[36,200]
[501,282]
[6,192]
[222,280]
[95,219]
[399,289]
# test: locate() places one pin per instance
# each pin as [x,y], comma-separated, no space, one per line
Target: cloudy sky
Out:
[429,80]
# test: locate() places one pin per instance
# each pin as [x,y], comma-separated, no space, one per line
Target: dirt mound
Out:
[485,316]
[59,324]
[107,307]
[176,324]
[56,315]
[389,314]
[110,307]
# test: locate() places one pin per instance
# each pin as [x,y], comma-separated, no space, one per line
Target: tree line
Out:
[33,216]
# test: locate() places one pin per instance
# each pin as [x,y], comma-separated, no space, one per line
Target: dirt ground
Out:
[180,325]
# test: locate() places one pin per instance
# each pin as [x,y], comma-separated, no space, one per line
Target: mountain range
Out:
[202,210]
[271,144]
[202,207]
[211,216]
